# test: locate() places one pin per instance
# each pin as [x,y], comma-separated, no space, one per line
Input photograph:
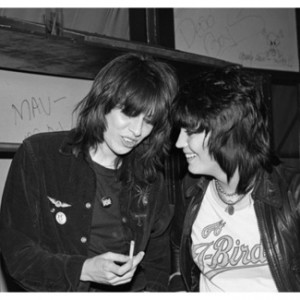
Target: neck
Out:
[100,157]
[231,186]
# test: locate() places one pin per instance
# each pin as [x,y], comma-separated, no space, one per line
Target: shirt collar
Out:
[266,188]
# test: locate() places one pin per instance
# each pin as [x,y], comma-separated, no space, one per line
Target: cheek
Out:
[196,146]
[147,130]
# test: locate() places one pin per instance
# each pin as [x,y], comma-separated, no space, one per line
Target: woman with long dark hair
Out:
[87,209]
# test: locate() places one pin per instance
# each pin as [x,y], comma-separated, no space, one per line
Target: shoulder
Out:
[294,188]
[46,137]
[45,142]
[287,175]
[289,180]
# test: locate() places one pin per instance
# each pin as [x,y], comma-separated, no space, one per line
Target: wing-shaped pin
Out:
[58,203]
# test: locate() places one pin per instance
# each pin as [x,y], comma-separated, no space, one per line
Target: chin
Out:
[192,170]
[124,151]
[196,170]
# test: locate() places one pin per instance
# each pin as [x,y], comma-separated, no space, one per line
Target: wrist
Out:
[84,276]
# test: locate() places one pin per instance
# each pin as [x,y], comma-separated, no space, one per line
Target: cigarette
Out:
[131,249]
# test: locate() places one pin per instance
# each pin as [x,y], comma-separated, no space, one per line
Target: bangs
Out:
[138,99]
[186,117]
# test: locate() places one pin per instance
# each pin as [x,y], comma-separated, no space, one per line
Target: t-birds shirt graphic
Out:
[228,249]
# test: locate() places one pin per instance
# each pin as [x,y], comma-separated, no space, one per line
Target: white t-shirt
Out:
[228,249]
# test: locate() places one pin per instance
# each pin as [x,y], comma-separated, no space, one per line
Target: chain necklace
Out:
[230,204]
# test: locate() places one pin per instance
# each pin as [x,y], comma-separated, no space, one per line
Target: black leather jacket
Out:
[277,206]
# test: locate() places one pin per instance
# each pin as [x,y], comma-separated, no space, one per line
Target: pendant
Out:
[230,209]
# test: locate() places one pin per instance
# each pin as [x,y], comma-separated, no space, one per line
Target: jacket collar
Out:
[266,188]
[67,145]
[200,185]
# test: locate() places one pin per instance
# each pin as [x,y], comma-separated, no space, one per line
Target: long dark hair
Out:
[228,104]
[136,84]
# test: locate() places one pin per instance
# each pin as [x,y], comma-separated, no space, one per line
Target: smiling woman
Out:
[85,194]
[242,198]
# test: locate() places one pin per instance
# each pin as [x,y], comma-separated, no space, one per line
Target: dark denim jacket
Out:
[43,252]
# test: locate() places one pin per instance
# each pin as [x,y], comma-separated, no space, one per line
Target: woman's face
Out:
[195,149]
[123,133]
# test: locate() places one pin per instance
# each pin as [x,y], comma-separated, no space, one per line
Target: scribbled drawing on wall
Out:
[262,38]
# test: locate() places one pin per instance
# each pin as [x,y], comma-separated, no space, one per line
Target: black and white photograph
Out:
[150,149]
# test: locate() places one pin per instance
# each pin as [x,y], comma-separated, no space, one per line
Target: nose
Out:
[136,125]
[182,139]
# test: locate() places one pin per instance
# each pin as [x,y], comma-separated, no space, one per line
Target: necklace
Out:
[230,204]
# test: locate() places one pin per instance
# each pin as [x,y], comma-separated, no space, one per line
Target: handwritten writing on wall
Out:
[30,110]
[258,37]
[32,103]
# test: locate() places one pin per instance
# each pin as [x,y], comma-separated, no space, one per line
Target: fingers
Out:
[130,264]
[115,257]
[124,273]
[118,280]
[138,258]
[110,268]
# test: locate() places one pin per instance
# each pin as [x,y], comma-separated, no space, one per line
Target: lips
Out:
[190,156]
[129,142]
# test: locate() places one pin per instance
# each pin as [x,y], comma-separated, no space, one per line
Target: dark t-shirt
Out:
[106,230]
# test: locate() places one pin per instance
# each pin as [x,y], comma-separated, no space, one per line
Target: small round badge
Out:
[61,218]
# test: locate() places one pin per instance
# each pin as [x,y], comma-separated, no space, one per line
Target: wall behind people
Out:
[32,103]
[257,38]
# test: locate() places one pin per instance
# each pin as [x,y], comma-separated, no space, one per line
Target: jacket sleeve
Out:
[33,266]
[156,263]
[294,199]
[176,282]
[295,191]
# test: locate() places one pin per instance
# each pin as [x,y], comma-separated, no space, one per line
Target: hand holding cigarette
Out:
[106,268]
